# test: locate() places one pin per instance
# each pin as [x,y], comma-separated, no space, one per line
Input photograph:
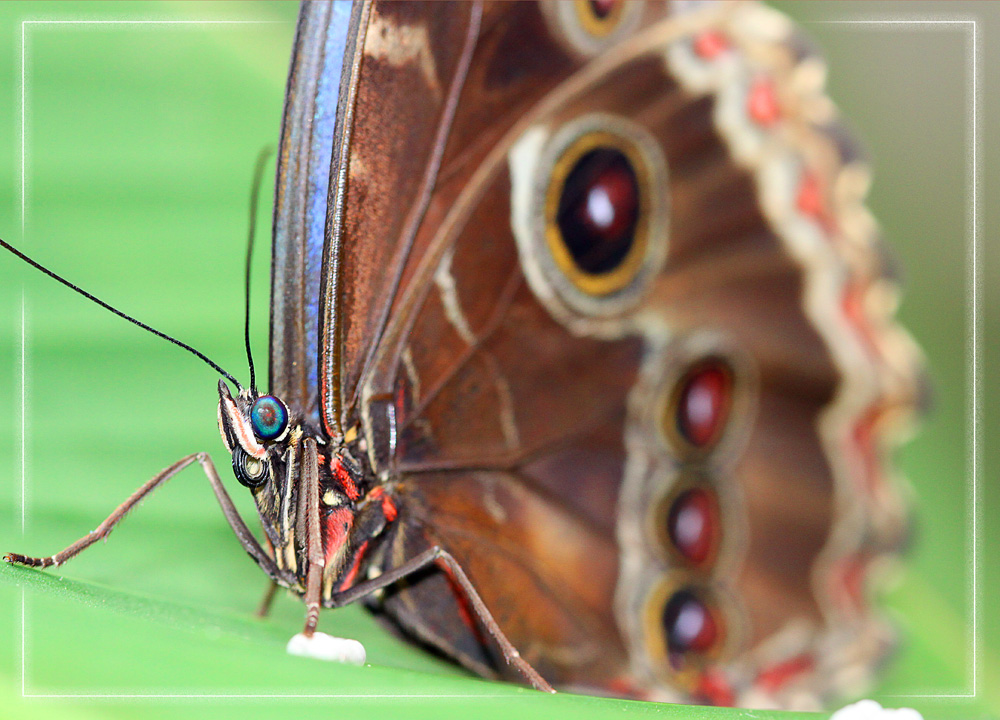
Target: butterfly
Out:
[583,362]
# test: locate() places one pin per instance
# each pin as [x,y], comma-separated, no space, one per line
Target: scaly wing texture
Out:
[549,425]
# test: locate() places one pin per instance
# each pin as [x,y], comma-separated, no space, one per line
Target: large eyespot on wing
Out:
[589,215]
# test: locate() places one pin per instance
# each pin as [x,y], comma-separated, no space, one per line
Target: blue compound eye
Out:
[269,417]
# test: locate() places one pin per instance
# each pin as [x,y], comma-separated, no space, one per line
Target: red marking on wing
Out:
[338,525]
[865,441]
[762,103]
[853,305]
[777,676]
[345,479]
[626,687]
[710,44]
[811,201]
[465,611]
[715,689]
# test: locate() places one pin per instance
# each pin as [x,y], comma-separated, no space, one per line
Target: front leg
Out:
[242,532]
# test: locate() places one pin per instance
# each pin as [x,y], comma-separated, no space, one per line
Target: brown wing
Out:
[412,62]
[546,417]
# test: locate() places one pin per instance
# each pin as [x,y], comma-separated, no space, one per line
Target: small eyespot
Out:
[587,27]
[688,525]
[690,625]
[268,417]
[250,471]
[699,408]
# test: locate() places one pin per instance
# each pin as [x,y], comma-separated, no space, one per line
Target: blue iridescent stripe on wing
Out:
[301,201]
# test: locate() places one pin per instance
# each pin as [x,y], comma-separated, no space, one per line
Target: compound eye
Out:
[269,417]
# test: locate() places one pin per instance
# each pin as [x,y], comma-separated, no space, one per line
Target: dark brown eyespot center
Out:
[599,210]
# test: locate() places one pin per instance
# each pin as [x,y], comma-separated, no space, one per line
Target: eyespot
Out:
[686,629]
[589,212]
[691,626]
[688,525]
[268,417]
[699,408]
[250,471]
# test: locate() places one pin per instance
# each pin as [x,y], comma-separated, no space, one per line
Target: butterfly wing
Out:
[659,457]
[326,32]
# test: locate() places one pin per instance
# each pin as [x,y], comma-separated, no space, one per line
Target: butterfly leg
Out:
[243,534]
[446,563]
[264,609]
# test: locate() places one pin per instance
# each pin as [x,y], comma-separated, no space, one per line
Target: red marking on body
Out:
[338,525]
[762,103]
[352,574]
[715,689]
[344,478]
[777,676]
[388,505]
[710,44]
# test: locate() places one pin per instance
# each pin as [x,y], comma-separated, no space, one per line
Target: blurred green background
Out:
[138,147]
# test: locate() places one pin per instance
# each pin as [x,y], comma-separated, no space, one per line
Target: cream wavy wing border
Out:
[851,301]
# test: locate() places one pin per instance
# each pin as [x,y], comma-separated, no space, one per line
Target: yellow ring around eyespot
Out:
[593,23]
[598,283]
[685,677]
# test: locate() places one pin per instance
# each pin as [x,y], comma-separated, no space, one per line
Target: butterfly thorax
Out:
[283,460]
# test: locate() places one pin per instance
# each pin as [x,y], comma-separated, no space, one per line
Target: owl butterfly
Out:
[582,343]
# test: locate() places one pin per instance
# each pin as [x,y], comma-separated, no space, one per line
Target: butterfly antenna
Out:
[120,314]
[258,178]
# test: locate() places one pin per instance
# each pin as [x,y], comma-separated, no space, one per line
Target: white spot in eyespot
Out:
[599,208]
[700,406]
[327,647]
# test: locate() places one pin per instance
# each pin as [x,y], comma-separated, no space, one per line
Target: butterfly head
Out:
[255,429]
